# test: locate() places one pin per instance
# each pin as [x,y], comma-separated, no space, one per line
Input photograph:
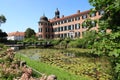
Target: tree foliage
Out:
[29,33]
[109,43]
[86,42]
[2,19]
[3,36]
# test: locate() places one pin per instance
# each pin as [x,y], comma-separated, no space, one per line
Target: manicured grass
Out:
[47,69]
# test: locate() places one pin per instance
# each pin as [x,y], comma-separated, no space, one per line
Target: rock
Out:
[51,77]
[44,77]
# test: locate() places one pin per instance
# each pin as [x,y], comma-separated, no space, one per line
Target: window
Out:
[58,23]
[39,29]
[84,16]
[47,29]
[61,35]
[77,18]
[61,28]
[58,29]
[101,12]
[72,26]
[93,23]
[45,23]
[69,27]
[93,14]
[40,36]
[51,24]
[61,22]
[65,35]
[41,23]
[55,29]
[55,23]
[65,28]
[69,20]
[72,19]
[65,21]
[75,34]
[78,34]
[77,26]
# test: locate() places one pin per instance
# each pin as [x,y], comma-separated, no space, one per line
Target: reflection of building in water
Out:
[66,26]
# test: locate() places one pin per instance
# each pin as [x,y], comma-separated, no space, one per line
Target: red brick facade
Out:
[66,26]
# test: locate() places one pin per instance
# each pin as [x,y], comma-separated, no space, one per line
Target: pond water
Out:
[33,54]
[35,57]
[72,61]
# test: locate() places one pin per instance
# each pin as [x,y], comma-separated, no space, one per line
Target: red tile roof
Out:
[71,16]
[16,34]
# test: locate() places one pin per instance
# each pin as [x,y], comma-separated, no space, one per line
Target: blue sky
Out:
[23,14]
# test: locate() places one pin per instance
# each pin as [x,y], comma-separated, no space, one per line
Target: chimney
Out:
[78,11]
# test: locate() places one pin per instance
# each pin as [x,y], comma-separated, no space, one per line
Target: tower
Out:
[43,27]
[57,13]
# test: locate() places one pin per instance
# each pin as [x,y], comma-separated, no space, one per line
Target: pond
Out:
[82,65]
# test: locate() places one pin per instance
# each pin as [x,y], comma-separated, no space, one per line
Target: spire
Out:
[57,9]
[57,13]
[43,14]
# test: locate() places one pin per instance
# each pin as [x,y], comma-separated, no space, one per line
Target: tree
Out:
[88,38]
[3,36]
[2,19]
[29,33]
[109,43]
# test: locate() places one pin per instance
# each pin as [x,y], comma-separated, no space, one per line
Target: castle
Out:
[66,26]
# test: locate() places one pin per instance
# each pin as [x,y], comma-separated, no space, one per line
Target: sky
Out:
[23,14]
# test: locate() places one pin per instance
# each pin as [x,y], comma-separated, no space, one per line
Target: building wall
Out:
[45,30]
[71,26]
[10,38]
[15,37]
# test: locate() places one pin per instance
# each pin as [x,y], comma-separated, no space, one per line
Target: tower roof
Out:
[57,12]
[43,18]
